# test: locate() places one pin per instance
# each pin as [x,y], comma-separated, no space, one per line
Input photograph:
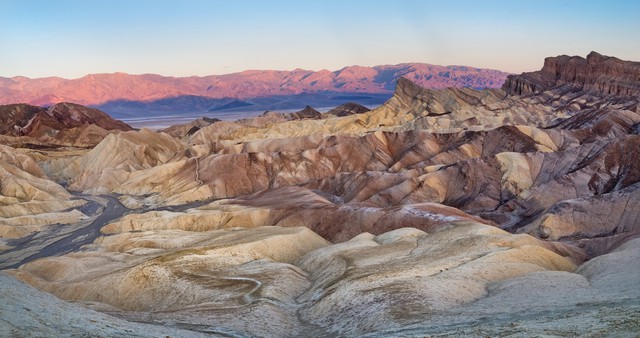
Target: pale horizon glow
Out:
[71,39]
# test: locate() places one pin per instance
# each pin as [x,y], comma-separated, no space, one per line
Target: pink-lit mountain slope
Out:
[97,89]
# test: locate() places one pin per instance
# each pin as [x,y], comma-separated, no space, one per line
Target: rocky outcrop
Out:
[216,277]
[79,125]
[70,114]
[349,108]
[86,136]
[461,280]
[399,278]
[188,129]
[13,117]
[410,108]
[603,74]
[305,113]
[269,118]
[598,223]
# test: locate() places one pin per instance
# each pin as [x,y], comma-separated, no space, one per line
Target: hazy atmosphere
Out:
[182,38]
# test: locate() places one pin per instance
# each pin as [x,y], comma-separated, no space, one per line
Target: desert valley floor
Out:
[442,212]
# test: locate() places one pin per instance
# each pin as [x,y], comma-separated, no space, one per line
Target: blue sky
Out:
[188,37]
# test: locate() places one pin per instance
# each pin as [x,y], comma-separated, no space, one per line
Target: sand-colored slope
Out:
[287,281]
[112,160]
[28,199]
[26,311]
[293,207]
[371,283]
[207,278]
[600,298]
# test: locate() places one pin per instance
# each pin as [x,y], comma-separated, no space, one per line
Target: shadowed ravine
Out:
[58,240]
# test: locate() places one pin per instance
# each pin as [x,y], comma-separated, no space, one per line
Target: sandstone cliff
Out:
[599,73]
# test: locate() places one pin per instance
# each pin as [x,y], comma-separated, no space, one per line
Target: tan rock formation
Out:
[292,207]
[597,223]
[86,136]
[28,199]
[25,310]
[406,276]
[215,277]
[188,129]
[211,277]
[599,298]
[110,162]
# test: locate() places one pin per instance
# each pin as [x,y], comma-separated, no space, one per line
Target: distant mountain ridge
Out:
[100,89]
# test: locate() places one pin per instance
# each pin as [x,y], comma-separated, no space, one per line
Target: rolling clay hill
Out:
[446,212]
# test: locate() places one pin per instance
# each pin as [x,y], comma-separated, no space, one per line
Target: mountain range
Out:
[124,95]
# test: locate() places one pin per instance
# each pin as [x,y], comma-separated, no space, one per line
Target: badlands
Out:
[443,212]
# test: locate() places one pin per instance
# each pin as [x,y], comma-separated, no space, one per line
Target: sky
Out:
[191,37]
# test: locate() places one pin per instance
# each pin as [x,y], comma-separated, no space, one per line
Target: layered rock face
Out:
[29,201]
[599,73]
[455,211]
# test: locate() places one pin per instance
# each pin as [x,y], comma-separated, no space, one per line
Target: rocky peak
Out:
[595,57]
[306,113]
[348,108]
[597,73]
[406,89]
[74,115]
[26,120]
[430,102]
[14,117]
